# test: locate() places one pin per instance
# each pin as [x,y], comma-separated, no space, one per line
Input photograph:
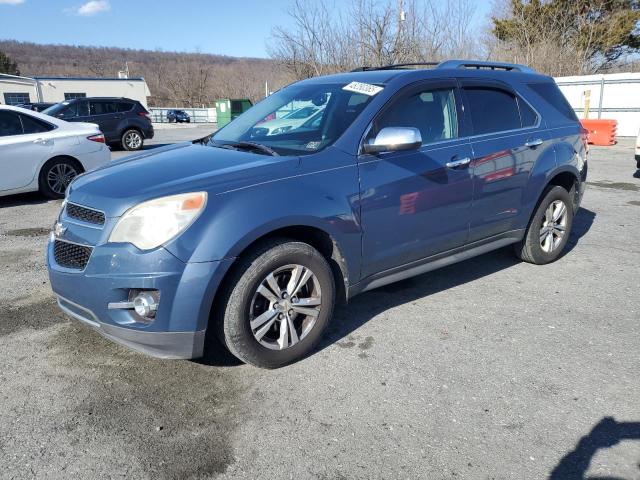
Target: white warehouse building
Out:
[15,90]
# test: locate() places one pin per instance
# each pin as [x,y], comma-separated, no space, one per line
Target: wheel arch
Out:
[59,157]
[317,237]
[567,178]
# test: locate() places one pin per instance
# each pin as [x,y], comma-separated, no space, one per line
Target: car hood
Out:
[174,169]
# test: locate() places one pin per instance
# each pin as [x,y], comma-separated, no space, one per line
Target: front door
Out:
[415,204]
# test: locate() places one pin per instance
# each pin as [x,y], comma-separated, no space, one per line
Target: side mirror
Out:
[393,139]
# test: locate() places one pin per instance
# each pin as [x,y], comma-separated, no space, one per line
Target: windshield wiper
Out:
[251,146]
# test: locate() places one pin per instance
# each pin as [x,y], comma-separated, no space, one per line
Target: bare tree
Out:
[565,37]
[373,33]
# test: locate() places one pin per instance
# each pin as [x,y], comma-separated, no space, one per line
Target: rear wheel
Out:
[132,140]
[278,304]
[56,175]
[549,228]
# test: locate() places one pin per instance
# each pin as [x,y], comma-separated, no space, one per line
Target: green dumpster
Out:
[229,108]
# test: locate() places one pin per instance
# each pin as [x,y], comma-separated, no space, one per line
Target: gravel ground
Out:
[488,369]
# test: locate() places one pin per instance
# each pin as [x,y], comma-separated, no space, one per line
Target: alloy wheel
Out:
[285,307]
[133,140]
[554,226]
[60,176]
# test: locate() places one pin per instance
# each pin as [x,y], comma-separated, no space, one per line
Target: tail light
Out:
[145,114]
[584,133]
[97,138]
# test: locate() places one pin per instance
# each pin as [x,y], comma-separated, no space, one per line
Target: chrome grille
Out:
[85,214]
[71,255]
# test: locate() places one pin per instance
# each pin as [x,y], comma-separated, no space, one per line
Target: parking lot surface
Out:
[488,369]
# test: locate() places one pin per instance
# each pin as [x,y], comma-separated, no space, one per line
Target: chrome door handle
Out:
[533,143]
[40,141]
[458,163]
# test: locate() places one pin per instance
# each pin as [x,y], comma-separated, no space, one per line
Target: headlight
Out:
[150,224]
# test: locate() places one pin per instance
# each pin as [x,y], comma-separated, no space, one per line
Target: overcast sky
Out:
[238,28]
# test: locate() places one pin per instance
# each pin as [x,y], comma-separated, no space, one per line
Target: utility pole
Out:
[399,33]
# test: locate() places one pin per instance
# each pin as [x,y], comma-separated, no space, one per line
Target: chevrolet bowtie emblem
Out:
[59,229]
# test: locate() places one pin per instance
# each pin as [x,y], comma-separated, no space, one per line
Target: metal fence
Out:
[196,115]
[614,96]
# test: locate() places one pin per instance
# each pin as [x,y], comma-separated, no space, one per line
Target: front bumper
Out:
[186,295]
[156,344]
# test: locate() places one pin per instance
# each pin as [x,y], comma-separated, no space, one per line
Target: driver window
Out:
[432,111]
[76,109]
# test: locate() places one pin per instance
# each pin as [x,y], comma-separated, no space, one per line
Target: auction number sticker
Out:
[364,88]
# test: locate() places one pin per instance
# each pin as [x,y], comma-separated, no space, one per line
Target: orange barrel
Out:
[601,132]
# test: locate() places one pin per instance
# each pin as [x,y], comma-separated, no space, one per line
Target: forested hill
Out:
[174,78]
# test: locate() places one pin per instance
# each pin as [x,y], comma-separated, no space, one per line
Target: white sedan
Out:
[39,152]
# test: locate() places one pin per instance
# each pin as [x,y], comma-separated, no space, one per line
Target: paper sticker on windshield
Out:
[364,88]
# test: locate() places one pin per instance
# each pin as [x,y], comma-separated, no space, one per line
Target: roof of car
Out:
[101,98]
[457,68]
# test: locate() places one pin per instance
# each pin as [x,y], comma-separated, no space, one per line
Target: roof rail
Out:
[480,65]
[397,66]
[470,64]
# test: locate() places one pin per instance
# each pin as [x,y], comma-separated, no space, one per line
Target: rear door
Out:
[414,205]
[106,115]
[507,138]
[24,145]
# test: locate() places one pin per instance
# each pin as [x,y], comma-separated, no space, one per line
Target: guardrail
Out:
[196,115]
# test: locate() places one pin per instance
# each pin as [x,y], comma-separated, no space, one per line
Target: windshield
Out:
[329,110]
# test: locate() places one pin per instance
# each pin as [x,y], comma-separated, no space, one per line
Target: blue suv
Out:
[253,237]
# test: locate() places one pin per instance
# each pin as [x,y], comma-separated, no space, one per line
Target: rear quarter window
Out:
[550,92]
[33,125]
[124,106]
[527,114]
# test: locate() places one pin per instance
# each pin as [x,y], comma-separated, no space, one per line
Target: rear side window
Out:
[9,124]
[492,110]
[33,125]
[102,107]
[552,94]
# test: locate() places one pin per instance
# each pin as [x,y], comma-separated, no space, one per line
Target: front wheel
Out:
[278,304]
[549,228]
[132,140]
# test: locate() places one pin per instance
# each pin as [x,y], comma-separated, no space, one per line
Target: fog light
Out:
[143,302]
[145,305]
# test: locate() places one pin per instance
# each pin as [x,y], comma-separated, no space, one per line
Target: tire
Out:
[132,140]
[540,247]
[242,304]
[56,175]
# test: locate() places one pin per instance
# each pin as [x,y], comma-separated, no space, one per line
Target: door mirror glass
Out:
[393,139]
